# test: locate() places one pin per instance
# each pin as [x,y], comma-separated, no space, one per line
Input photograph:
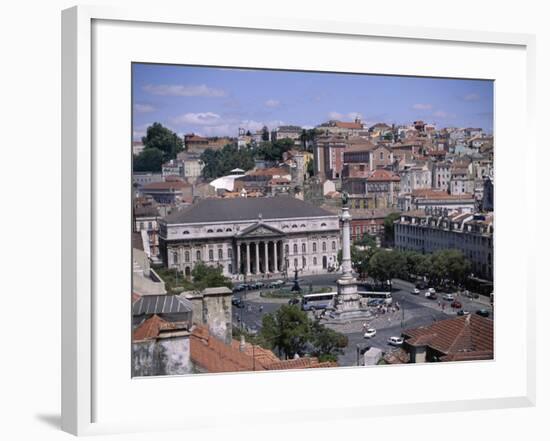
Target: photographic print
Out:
[303,220]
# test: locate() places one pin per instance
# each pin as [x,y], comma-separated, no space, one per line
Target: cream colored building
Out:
[251,238]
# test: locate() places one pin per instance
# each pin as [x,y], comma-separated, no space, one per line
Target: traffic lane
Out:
[408,300]
[252,312]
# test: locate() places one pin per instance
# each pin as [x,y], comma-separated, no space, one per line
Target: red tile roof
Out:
[152,327]
[428,193]
[171,185]
[383,175]
[214,356]
[348,125]
[457,338]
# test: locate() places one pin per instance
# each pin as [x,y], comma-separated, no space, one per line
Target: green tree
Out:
[150,159]
[310,168]
[273,151]
[389,227]
[387,264]
[416,263]
[163,139]
[287,330]
[359,260]
[327,343]
[367,240]
[450,265]
[205,276]
[265,133]
[220,162]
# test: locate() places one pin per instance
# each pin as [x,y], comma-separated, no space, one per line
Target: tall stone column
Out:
[266,260]
[346,244]
[348,301]
[247,270]
[257,258]
[275,261]
[238,258]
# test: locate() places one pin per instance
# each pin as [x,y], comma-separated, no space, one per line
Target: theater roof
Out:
[242,209]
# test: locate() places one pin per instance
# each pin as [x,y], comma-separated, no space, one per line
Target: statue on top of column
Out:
[345,198]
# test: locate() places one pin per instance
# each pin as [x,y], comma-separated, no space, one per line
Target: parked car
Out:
[294,301]
[431,290]
[395,341]
[239,287]
[276,284]
[256,285]
[482,312]
[462,312]
[456,304]
[237,302]
[415,291]
[449,297]
[430,295]
[370,332]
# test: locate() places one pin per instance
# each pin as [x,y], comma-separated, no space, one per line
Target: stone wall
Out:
[162,356]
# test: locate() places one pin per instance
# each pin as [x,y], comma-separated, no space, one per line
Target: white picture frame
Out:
[83,382]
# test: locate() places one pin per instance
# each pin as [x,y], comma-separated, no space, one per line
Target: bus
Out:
[382,297]
[312,302]
[376,291]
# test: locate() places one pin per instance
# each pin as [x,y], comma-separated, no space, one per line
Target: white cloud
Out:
[422,106]
[443,114]
[272,103]
[213,124]
[471,97]
[344,116]
[200,119]
[143,108]
[183,90]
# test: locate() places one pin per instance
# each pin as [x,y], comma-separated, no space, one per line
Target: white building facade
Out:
[428,232]
[252,238]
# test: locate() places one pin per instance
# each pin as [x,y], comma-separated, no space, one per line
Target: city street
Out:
[415,311]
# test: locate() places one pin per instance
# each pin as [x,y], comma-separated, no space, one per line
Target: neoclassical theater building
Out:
[251,238]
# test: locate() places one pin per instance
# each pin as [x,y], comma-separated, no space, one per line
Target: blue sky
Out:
[217,101]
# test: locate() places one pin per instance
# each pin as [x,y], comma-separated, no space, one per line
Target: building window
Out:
[210,231]
[230,253]
[304,262]
[295,248]
[295,263]
[175,258]
[323,225]
[315,261]
[314,247]
[333,244]
[220,254]
[303,248]
[187,256]
[286,249]
[198,255]
[324,246]
[230,269]
[211,255]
